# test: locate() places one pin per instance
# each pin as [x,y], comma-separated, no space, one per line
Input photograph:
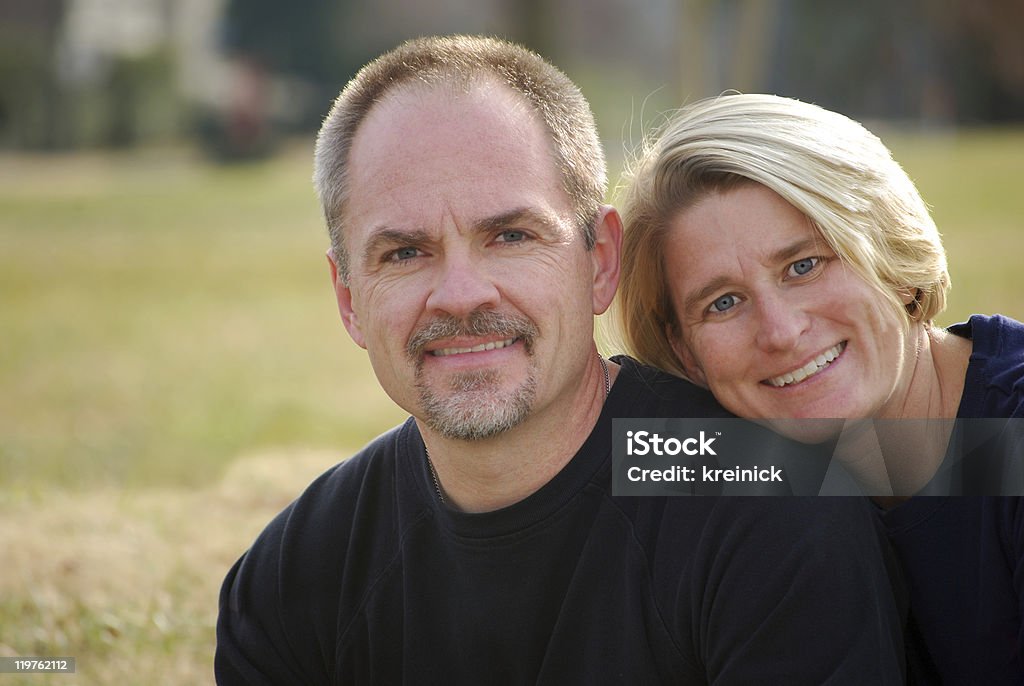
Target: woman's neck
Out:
[900,453]
[934,379]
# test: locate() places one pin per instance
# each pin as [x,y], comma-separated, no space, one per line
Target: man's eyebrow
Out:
[517,217]
[385,237]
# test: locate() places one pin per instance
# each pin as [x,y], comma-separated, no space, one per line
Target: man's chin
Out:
[475,416]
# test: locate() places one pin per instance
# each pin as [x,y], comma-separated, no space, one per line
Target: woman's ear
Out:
[909,295]
[911,299]
[687,360]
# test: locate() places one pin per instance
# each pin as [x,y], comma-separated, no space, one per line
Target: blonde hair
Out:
[458,60]
[828,166]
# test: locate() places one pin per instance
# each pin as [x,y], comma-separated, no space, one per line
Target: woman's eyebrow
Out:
[786,252]
[790,251]
[695,298]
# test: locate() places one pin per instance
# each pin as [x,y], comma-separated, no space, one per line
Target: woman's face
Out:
[773,322]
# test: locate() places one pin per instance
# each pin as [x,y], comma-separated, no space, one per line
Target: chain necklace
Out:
[433,474]
[607,379]
[430,463]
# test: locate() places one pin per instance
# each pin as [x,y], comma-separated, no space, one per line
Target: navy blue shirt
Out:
[964,556]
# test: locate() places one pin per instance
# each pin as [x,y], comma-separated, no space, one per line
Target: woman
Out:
[776,254]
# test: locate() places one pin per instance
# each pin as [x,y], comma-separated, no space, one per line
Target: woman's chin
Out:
[805,430]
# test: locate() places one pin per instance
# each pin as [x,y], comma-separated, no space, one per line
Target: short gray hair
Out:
[461,59]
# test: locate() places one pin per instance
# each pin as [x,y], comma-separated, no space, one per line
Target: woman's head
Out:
[843,188]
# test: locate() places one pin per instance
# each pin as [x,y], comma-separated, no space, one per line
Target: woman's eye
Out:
[804,266]
[723,303]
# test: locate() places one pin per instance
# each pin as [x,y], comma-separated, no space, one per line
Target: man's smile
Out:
[491,345]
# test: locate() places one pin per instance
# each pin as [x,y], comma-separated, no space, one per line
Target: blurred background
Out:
[172,367]
[239,74]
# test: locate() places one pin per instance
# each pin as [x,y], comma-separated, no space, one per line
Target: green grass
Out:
[162,317]
[126,580]
[173,370]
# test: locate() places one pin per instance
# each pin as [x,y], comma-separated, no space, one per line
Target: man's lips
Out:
[479,348]
[821,361]
[481,331]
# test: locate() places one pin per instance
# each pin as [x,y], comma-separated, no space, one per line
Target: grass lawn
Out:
[163,317]
[173,370]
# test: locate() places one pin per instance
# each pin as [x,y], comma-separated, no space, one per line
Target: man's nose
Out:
[463,285]
[780,323]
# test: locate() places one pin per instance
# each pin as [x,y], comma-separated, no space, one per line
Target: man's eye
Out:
[512,236]
[723,303]
[404,254]
[802,267]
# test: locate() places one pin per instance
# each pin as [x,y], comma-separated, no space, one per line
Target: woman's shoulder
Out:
[993,335]
[995,373]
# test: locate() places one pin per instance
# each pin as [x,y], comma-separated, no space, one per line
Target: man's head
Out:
[459,62]
[467,272]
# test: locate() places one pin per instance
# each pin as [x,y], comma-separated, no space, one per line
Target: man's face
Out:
[470,286]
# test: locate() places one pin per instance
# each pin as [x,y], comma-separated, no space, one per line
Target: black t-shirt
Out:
[368,578]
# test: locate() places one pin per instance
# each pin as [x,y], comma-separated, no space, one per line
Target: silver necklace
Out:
[430,463]
[607,379]
[433,474]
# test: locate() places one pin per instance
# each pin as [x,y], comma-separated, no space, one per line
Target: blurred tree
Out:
[936,61]
[531,22]
[300,44]
[302,37]
[31,96]
[990,42]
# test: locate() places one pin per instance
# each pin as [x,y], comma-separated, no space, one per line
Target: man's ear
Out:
[605,255]
[343,295]
[687,360]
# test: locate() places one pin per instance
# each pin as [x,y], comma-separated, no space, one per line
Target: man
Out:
[479,542]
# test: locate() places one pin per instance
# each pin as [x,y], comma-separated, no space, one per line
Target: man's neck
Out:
[486,475]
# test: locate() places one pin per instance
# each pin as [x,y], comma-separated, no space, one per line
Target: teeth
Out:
[809,369]
[493,345]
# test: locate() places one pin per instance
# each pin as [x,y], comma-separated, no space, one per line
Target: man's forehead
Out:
[425,147]
[455,92]
[420,108]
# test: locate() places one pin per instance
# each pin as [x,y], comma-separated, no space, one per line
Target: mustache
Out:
[478,323]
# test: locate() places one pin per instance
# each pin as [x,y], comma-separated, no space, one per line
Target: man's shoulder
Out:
[353,504]
[780,522]
[323,515]
[313,563]
[644,391]
[370,473]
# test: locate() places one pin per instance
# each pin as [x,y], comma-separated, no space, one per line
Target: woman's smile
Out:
[817,364]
